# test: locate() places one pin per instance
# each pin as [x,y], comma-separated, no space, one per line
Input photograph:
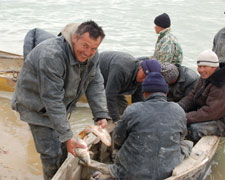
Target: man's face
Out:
[85,47]
[140,75]
[158,29]
[206,71]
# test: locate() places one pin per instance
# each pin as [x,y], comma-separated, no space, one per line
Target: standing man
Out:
[167,48]
[219,45]
[181,80]
[55,74]
[205,105]
[123,75]
[150,135]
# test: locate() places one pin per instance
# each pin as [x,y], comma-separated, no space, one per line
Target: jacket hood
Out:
[217,78]
[68,32]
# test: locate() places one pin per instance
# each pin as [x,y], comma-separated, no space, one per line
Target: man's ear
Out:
[74,38]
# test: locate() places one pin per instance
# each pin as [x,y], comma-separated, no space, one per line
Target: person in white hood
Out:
[55,74]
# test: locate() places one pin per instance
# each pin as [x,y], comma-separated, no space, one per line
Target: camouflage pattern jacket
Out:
[167,49]
[150,135]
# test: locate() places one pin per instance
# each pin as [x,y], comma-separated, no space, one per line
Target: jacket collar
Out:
[217,78]
[163,33]
[156,95]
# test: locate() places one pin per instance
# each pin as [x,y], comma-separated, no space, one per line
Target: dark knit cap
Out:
[150,65]
[154,82]
[163,20]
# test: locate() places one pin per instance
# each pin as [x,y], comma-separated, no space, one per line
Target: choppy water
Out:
[129,27]
[128,24]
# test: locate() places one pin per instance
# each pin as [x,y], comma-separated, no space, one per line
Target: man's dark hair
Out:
[92,28]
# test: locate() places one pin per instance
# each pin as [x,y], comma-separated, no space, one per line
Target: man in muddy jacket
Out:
[150,135]
[123,75]
[219,45]
[205,105]
[55,74]
[181,80]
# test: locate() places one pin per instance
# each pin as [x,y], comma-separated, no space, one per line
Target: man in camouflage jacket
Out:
[167,48]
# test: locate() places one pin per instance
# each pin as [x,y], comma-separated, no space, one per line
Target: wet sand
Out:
[18,157]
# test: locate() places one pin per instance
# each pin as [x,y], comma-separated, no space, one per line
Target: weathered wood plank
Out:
[196,165]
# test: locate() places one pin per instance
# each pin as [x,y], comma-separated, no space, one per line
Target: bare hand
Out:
[102,123]
[72,144]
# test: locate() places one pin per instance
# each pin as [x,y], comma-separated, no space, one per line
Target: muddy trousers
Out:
[52,151]
[198,130]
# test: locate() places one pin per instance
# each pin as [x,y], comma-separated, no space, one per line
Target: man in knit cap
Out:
[167,48]
[205,105]
[181,80]
[123,75]
[150,135]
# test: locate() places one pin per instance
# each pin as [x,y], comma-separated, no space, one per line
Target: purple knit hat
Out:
[154,82]
[150,65]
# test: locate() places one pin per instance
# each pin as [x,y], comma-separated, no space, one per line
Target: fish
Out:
[102,133]
[83,153]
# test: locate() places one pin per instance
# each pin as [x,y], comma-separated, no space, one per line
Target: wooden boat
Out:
[10,65]
[192,168]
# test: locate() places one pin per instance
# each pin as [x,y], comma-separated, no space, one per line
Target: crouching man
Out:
[150,135]
[205,105]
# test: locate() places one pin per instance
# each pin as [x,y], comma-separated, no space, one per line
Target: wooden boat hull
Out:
[10,65]
[192,168]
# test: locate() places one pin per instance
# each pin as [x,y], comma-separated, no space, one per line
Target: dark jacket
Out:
[33,38]
[50,83]
[150,135]
[206,102]
[219,45]
[186,82]
[119,71]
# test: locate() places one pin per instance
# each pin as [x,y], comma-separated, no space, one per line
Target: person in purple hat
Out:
[150,135]
[123,75]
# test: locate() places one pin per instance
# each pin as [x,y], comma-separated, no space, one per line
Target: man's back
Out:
[119,71]
[115,63]
[186,82]
[150,134]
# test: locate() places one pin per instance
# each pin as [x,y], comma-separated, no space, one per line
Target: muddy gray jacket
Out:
[119,71]
[33,38]
[150,135]
[219,45]
[206,102]
[52,80]
[186,82]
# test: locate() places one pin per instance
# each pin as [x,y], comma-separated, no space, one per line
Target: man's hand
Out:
[102,123]
[72,144]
